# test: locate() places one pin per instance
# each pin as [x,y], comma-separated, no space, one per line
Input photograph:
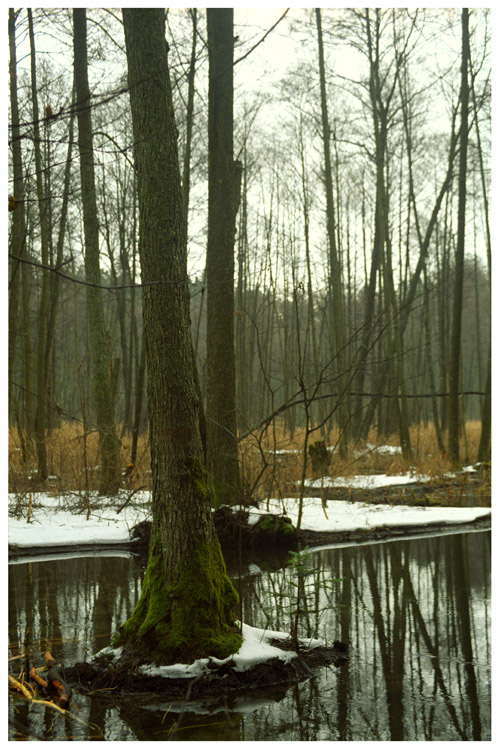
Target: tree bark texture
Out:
[101,349]
[185,607]
[224,179]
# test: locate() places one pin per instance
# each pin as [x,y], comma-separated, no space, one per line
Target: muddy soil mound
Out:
[123,678]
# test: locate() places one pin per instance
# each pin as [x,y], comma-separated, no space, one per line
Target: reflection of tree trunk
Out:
[433,651]
[145,723]
[391,648]
[461,591]
[343,689]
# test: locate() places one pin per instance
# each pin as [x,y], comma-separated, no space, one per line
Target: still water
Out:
[416,615]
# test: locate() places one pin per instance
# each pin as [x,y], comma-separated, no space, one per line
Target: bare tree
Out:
[456,329]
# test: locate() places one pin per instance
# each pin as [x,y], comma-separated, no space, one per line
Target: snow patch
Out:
[343,515]
[255,649]
[367,481]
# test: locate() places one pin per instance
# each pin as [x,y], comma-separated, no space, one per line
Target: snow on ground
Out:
[255,649]
[53,524]
[343,515]
[383,449]
[367,481]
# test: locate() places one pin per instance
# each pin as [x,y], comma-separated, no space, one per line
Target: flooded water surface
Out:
[415,614]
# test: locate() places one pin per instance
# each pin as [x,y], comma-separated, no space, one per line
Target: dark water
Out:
[416,614]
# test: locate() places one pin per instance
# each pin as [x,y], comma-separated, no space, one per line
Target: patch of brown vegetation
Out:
[272,460]
[72,461]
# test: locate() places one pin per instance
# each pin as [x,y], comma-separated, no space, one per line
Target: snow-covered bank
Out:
[343,515]
[54,525]
[51,527]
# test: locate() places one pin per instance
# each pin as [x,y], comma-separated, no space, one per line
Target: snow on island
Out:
[255,649]
[53,524]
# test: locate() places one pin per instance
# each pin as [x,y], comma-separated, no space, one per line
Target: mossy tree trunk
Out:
[109,444]
[224,180]
[185,607]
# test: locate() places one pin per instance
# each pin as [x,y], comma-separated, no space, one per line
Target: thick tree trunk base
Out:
[187,620]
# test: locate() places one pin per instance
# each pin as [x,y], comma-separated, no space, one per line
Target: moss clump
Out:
[185,620]
[274,529]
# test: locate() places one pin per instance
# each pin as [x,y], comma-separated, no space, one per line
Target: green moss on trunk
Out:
[186,620]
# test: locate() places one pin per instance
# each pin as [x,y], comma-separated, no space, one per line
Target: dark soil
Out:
[121,677]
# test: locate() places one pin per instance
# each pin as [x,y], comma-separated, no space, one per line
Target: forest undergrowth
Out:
[271,460]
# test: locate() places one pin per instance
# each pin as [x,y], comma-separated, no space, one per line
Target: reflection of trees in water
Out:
[70,606]
[415,614]
[407,611]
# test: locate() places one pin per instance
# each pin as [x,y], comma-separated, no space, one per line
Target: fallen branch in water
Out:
[13,683]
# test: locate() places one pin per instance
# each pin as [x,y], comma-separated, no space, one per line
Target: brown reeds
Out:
[72,461]
[271,461]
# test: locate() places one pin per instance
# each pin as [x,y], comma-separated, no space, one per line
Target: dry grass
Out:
[271,461]
[284,457]
[72,461]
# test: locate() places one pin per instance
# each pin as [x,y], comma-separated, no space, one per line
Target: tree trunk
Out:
[336,290]
[185,607]
[18,239]
[108,440]
[456,327]
[43,312]
[224,178]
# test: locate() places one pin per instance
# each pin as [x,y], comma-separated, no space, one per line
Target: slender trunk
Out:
[18,236]
[336,290]
[56,280]
[224,178]
[101,355]
[186,173]
[41,385]
[456,328]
